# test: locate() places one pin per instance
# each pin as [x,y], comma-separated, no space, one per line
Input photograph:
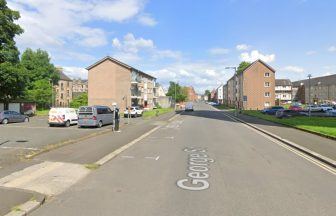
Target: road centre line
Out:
[295,151]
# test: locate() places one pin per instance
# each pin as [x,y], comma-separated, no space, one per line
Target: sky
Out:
[186,41]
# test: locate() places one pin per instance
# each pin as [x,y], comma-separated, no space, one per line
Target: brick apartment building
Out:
[322,89]
[112,81]
[63,90]
[283,91]
[192,96]
[253,88]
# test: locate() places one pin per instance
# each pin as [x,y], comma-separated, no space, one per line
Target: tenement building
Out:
[63,90]
[283,91]
[112,81]
[322,90]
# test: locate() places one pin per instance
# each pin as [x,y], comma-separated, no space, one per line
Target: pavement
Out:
[201,163]
[318,144]
[55,171]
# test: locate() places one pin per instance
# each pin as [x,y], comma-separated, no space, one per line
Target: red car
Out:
[296,108]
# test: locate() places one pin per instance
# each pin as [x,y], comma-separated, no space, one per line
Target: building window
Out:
[68,93]
[267,104]
[267,84]
[267,74]
[267,94]
[61,95]
[62,87]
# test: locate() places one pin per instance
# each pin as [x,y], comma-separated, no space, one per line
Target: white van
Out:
[62,116]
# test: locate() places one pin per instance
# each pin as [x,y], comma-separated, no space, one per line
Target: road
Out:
[235,171]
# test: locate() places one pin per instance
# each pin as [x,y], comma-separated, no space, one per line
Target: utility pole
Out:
[236,87]
[309,108]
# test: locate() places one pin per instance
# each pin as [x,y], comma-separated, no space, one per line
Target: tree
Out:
[81,100]
[40,93]
[12,81]
[8,30]
[12,75]
[242,66]
[207,93]
[38,66]
[181,94]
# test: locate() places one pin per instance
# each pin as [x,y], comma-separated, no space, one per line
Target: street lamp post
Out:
[309,108]
[236,87]
[175,94]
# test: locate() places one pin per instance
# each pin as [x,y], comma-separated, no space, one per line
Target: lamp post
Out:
[236,87]
[309,108]
[175,94]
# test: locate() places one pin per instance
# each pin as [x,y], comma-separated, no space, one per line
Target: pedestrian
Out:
[116,118]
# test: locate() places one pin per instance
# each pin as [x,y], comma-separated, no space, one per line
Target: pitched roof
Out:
[259,61]
[119,63]
[283,82]
[62,75]
[324,80]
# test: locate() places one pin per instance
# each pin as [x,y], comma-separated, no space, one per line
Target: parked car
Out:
[296,108]
[135,111]
[272,110]
[289,113]
[189,107]
[62,116]
[94,116]
[313,108]
[326,107]
[331,113]
[12,117]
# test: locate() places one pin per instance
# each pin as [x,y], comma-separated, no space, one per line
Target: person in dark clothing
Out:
[116,118]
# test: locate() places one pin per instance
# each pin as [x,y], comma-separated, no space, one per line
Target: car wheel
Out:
[26,120]
[51,125]
[5,121]
[100,124]
[136,115]
[67,123]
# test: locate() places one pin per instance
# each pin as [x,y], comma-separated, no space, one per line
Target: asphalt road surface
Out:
[202,163]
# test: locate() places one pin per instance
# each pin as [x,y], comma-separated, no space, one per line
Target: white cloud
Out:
[311,52]
[200,75]
[255,55]
[243,47]
[76,72]
[219,51]
[294,69]
[147,20]
[50,23]
[332,49]
[130,47]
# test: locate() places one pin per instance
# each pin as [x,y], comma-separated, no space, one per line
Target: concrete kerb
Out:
[27,207]
[313,154]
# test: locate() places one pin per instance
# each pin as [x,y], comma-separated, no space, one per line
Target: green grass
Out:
[224,107]
[92,166]
[42,112]
[320,125]
[154,112]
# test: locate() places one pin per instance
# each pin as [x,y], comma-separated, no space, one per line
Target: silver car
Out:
[12,117]
[94,116]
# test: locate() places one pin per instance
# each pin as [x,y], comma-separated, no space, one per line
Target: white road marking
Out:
[22,148]
[127,156]
[153,158]
[123,148]
[297,152]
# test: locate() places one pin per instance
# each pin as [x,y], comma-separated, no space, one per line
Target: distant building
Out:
[192,96]
[63,90]
[79,87]
[322,90]
[283,91]
[213,95]
[113,81]
[160,92]
[220,94]
[253,88]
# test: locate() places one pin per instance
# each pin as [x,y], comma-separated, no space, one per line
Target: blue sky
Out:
[189,41]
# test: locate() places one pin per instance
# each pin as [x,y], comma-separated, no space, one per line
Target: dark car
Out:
[289,113]
[272,110]
[12,117]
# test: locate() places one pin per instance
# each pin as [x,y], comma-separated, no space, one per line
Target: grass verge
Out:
[321,125]
[42,112]
[155,112]
[92,166]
